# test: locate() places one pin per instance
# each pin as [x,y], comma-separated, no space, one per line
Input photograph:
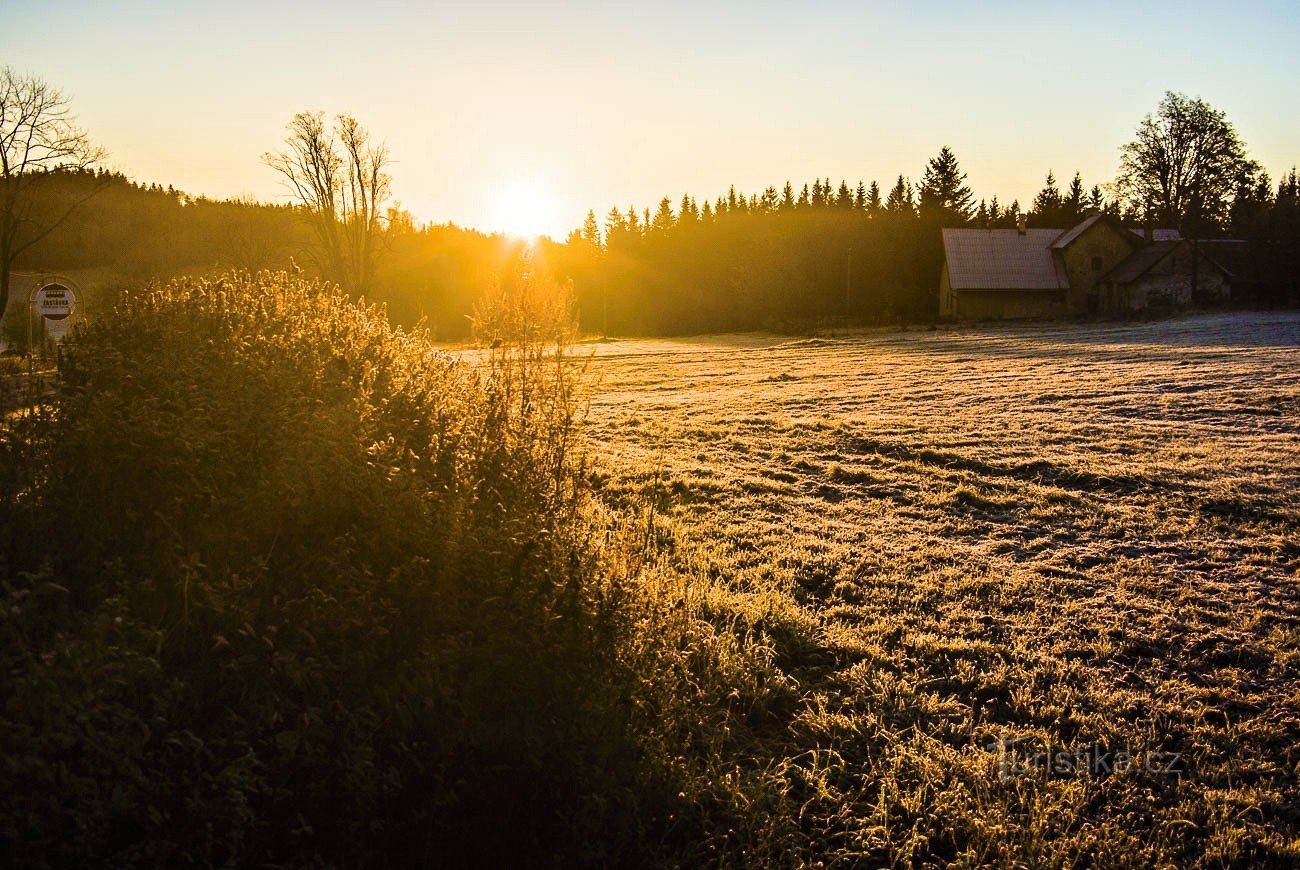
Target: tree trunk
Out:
[4,287]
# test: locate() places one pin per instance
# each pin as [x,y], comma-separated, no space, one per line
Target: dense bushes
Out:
[282,583]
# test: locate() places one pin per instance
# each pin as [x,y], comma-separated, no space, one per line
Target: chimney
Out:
[1022,224]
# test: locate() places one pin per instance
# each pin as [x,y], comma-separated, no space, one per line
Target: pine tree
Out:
[995,212]
[1073,205]
[804,199]
[844,196]
[706,213]
[634,225]
[1251,201]
[614,223]
[818,195]
[873,198]
[943,192]
[591,231]
[687,213]
[1047,205]
[787,197]
[982,215]
[1096,200]
[663,220]
[900,198]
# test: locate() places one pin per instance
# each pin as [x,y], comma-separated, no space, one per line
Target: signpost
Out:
[55,300]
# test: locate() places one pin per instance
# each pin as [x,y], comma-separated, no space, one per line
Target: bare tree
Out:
[39,139]
[340,177]
[1184,165]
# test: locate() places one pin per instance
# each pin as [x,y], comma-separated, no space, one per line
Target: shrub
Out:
[284,584]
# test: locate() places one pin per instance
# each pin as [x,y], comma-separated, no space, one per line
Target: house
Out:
[1096,267]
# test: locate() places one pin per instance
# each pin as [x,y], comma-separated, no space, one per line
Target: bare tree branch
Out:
[39,139]
[340,178]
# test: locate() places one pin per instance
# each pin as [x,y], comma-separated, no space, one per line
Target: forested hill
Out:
[781,259]
[127,234]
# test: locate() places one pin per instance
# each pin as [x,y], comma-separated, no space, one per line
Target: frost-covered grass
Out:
[1084,537]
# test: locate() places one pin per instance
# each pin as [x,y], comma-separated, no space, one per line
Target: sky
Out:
[523,116]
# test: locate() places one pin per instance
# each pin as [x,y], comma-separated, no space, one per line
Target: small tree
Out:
[39,138]
[340,177]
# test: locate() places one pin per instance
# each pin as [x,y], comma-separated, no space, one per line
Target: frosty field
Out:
[1083,539]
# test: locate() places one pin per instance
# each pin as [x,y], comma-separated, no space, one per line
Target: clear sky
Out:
[584,105]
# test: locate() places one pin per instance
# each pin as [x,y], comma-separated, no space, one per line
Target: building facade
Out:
[1096,267]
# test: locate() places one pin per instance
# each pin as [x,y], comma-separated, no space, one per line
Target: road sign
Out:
[55,301]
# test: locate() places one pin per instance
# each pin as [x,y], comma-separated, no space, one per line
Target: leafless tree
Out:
[340,178]
[1184,165]
[39,138]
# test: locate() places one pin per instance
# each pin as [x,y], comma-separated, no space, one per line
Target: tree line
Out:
[787,257]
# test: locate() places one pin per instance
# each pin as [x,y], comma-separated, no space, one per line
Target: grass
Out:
[1082,537]
[284,585]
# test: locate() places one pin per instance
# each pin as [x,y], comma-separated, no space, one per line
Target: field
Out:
[1031,593]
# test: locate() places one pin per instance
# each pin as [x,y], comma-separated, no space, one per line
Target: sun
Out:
[524,209]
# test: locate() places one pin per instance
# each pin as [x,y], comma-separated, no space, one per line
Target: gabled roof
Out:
[1063,240]
[1068,236]
[1141,261]
[1001,259]
[1146,258]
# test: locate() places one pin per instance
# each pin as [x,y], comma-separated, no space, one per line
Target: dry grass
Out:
[1084,537]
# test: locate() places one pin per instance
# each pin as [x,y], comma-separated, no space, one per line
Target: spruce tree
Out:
[900,198]
[614,223]
[860,196]
[687,213]
[844,196]
[873,198]
[591,230]
[943,192]
[663,220]
[1073,205]
[1047,205]
[787,197]
[1096,200]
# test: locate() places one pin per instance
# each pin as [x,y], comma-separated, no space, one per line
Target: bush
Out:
[283,584]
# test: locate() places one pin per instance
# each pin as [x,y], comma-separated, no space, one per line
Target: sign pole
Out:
[54,299]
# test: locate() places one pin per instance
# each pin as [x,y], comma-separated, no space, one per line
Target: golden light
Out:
[524,209]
